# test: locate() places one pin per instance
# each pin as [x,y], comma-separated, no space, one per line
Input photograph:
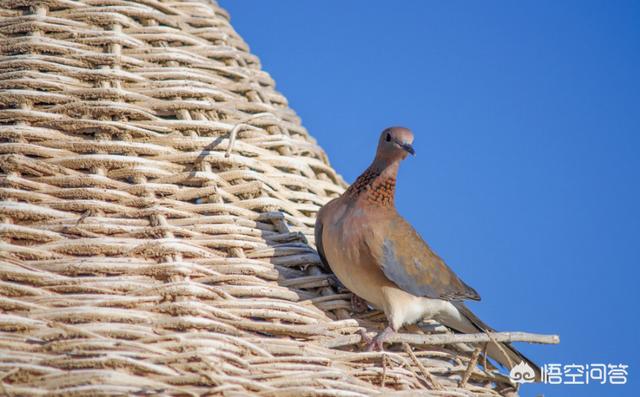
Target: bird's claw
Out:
[375,346]
[371,344]
[366,339]
[377,343]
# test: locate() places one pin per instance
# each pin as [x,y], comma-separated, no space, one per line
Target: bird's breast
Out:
[344,240]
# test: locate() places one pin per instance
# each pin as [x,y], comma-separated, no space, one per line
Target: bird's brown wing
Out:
[406,259]
[318,238]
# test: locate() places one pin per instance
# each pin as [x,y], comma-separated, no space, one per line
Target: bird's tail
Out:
[503,353]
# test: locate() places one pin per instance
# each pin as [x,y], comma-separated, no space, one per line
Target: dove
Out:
[383,260]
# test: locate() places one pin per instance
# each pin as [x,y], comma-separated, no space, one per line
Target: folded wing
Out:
[407,260]
[319,227]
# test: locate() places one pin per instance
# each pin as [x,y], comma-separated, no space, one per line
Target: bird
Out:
[381,258]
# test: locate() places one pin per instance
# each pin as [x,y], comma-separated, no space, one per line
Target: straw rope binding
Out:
[158,199]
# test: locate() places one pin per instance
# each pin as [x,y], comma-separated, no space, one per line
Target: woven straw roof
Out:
[158,200]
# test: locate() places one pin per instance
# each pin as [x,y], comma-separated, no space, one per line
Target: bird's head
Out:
[395,144]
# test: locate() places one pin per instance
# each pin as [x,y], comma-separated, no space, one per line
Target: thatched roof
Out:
[158,200]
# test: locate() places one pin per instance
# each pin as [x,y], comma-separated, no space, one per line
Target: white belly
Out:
[403,308]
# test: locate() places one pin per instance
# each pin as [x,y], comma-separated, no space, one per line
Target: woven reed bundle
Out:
[158,200]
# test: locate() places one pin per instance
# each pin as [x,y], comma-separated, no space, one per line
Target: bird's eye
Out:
[388,137]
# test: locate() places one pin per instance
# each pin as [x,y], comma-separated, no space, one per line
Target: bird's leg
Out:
[365,338]
[358,305]
[378,340]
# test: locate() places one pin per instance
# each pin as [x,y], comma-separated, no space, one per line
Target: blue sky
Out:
[527,124]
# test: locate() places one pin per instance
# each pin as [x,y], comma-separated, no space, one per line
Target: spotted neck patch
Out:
[376,187]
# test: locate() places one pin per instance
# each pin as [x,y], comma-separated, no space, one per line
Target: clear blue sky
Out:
[527,124]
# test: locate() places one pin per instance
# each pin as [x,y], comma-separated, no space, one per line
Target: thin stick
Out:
[501,348]
[241,125]
[384,370]
[471,366]
[484,356]
[444,339]
[2,388]
[434,384]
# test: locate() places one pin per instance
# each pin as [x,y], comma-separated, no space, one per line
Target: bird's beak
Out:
[408,148]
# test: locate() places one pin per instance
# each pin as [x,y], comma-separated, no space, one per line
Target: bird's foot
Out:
[377,342]
[366,339]
[358,305]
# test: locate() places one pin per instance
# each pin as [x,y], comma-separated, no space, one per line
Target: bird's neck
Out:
[377,184]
